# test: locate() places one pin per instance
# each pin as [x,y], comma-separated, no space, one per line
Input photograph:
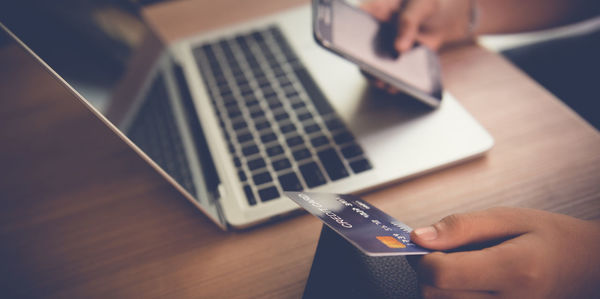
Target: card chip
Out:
[390,242]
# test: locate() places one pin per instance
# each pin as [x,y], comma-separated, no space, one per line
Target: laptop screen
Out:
[89,43]
[109,55]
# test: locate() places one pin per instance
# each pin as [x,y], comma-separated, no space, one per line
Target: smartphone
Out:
[357,36]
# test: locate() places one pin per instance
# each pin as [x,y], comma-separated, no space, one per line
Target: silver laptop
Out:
[236,116]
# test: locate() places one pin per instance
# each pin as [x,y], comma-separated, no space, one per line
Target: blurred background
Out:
[565,60]
[92,40]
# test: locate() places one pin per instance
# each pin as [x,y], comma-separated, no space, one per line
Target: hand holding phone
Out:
[357,36]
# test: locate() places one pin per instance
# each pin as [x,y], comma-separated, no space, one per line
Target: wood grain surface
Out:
[83,216]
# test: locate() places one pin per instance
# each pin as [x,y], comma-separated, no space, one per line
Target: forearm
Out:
[509,16]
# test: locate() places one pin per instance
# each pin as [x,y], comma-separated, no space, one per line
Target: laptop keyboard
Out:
[282,133]
[154,131]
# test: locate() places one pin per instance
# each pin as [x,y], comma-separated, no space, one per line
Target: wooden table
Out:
[84,216]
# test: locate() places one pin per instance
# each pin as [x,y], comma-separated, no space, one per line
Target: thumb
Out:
[465,229]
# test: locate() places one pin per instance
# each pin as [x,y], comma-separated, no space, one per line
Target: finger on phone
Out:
[410,20]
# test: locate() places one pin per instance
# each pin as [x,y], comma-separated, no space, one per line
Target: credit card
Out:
[369,229]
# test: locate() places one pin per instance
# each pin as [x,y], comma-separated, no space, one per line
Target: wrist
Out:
[459,22]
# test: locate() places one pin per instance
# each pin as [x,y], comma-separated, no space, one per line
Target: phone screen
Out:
[357,34]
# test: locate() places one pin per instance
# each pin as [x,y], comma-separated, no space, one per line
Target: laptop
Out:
[236,116]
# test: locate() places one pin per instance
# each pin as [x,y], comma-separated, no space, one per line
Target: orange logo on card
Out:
[390,242]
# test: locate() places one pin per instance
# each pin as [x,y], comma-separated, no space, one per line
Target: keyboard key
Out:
[268,130]
[284,82]
[245,137]
[333,164]
[219,74]
[249,195]
[238,76]
[221,83]
[262,81]
[262,125]
[268,193]
[334,124]
[257,114]
[282,116]
[251,102]
[319,140]
[250,150]
[343,137]
[246,91]
[360,165]
[275,104]
[305,116]
[239,125]
[254,66]
[272,98]
[268,137]
[288,88]
[257,36]
[293,141]
[278,71]
[232,108]
[312,175]
[290,91]
[207,49]
[234,113]
[254,109]
[225,91]
[242,42]
[256,164]
[269,94]
[352,151]
[237,162]
[267,53]
[281,164]
[242,175]
[301,154]
[288,128]
[298,105]
[313,91]
[244,85]
[267,90]
[290,182]
[275,150]
[261,178]
[229,101]
[312,128]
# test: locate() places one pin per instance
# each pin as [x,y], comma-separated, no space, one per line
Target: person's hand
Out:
[537,255]
[432,23]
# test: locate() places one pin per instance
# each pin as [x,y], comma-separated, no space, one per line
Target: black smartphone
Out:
[357,36]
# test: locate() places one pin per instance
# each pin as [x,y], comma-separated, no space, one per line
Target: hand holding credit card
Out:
[369,229]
